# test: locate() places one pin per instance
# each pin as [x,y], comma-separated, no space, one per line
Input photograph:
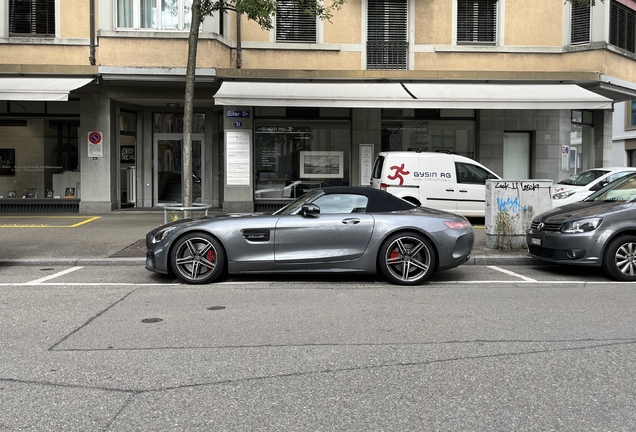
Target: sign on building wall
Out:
[366,163]
[95,144]
[238,162]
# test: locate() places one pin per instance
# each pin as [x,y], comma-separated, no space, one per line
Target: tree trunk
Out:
[186,160]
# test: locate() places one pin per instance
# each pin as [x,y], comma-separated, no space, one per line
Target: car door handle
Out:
[351,221]
[463,190]
[450,190]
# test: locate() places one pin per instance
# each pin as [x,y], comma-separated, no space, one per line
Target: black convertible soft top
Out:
[379,200]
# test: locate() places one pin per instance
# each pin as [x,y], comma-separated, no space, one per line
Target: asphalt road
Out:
[478,348]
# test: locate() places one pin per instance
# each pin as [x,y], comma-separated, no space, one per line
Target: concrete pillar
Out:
[99,175]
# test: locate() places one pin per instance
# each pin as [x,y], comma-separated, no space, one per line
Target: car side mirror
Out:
[309,210]
[599,186]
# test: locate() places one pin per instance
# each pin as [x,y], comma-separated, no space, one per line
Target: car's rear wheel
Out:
[619,260]
[407,258]
[198,258]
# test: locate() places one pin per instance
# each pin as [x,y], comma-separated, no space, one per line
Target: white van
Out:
[438,180]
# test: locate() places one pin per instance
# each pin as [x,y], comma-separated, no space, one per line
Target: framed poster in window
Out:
[7,162]
[321,164]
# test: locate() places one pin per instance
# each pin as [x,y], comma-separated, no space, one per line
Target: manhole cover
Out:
[151,320]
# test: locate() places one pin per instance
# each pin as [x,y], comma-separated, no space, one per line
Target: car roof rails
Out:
[416,149]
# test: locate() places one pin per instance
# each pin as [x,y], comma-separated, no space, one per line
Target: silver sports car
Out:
[330,230]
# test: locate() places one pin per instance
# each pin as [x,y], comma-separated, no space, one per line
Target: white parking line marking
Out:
[508,272]
[53,276]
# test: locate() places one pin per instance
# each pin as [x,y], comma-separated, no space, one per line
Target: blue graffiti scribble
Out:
[510,204]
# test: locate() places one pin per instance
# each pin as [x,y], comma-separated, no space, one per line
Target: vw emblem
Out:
[540,226]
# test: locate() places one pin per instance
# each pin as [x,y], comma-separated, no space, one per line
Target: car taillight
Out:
[383,186]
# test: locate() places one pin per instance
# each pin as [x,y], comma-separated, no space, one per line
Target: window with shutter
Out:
[622,26]
[477,21]
[580,24]
[293,24]
[387,45]
[32,18]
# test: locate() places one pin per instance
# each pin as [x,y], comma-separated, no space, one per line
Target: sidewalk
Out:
[118,238]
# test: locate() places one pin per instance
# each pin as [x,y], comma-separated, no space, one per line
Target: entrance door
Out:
[168,177]
[516,156]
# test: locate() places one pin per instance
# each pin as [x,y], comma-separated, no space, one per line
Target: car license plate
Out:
[535,241]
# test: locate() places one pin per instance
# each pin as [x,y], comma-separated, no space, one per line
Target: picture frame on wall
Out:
[32,193]
[321,164]
[11,194]
[69,192]
[49,193]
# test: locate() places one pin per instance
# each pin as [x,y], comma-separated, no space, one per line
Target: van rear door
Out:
[376,173]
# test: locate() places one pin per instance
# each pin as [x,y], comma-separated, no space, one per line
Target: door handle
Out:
[450,190]
[463,190]
[351,221]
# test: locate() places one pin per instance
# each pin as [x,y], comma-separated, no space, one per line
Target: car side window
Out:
[342,203]
[616,176]
[473,174]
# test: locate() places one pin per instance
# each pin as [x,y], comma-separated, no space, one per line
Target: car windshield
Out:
[583,178]
[295,205]
[623,189]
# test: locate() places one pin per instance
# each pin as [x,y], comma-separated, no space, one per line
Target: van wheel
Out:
[406,258]
[413,201]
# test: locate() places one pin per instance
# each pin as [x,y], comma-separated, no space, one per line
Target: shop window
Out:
[579,155]
[630,115]
[173,123]
[477,21]
[387,43]
[154,14]
[293,157]
[579,23]
[622,26]
[451,136]
[293,24]
[32,18]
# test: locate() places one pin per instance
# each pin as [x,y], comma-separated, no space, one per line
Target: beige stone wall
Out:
[533,23]
[345,26]
[75,19]
[434,22]
[296,60]
[32,54]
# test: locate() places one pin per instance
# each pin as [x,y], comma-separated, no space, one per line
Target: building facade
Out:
[92,94]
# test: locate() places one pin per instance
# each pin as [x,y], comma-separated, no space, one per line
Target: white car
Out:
[581,185]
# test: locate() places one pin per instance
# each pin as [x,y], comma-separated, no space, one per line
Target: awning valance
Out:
[410,95]
[39,89]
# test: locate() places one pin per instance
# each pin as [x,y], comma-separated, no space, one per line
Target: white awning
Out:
[410,95]
[39,89]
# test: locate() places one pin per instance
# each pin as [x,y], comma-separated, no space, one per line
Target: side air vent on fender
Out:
[256,235]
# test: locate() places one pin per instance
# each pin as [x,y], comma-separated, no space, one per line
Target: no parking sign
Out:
[95,145]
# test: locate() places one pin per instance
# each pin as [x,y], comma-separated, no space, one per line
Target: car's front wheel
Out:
[198,258]
[407,258]
[619,260]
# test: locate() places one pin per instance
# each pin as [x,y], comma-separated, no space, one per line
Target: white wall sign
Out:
[95,144]
[237,157]
[366,163]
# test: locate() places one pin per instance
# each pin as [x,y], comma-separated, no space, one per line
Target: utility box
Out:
[510,207]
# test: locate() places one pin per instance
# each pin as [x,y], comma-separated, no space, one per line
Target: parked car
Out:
[442,181]
[335,229]
[598,231]
[583,184]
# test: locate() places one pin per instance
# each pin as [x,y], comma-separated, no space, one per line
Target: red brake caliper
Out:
[394,254]
[210,256]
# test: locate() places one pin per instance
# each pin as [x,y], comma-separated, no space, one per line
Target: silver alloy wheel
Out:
[408,259]
[625,259]
[196,258]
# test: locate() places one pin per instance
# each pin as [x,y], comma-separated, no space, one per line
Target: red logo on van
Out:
[399,170]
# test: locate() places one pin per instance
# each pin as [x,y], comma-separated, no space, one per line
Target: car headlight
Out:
[563,194]
[161,234]
[583,225]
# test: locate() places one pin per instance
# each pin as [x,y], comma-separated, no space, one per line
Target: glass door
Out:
[168,168]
